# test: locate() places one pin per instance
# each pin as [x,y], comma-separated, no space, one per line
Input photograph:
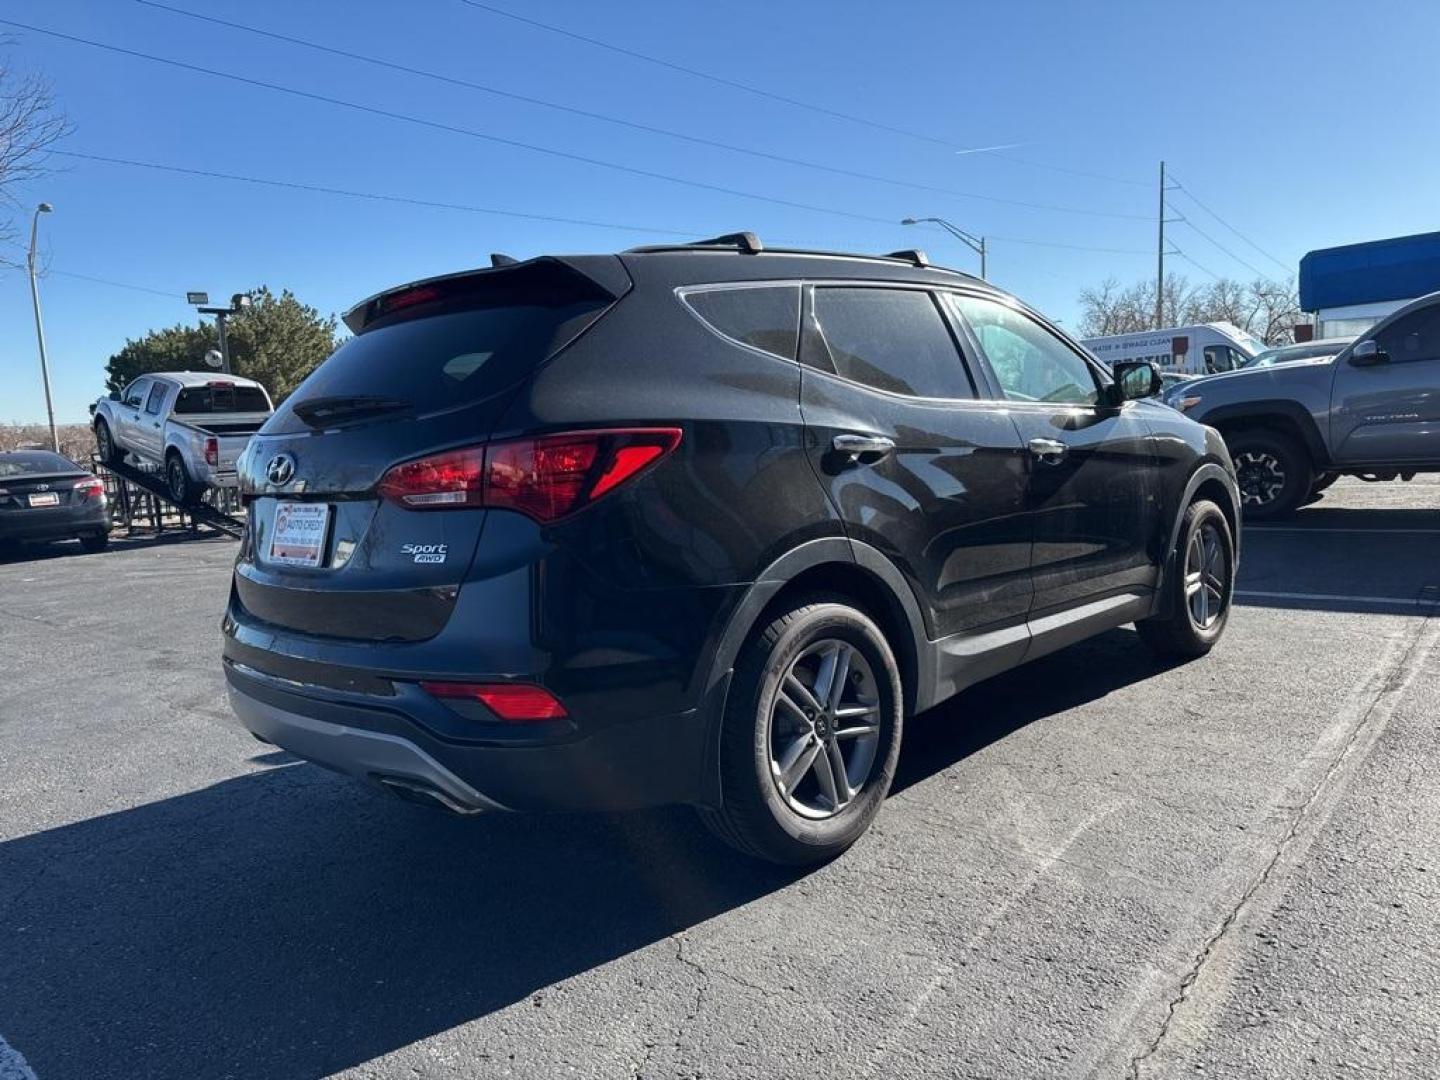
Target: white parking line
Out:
[1324,530]
[1330,598]
[12,1063]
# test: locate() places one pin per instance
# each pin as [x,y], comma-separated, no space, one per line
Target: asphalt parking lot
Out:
[1091,867]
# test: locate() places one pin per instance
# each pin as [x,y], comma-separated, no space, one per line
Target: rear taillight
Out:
[545,478]
[517,703]
[91,487]
[212,449]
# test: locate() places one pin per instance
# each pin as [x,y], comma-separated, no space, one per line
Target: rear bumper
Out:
[59,523]
[409,740]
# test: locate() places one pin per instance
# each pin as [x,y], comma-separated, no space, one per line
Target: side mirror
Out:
[1368,353]
[1136,379]
[114,395]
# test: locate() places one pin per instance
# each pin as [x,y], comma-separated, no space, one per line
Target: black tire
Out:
[105,443]
[183,490]
[755,817]
[1179,634]
[1273,470]
[1323,481]
[95,542]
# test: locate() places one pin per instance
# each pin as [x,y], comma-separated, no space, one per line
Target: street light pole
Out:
[43,208]
[975,243]
[238,303]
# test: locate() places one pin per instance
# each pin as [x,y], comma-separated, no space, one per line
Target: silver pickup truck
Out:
[191,424]
[1371,411]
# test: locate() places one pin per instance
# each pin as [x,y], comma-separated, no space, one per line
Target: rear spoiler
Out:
[600,275]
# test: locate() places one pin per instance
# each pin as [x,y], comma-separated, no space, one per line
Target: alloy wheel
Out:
[176,476]
[1260,476]
[824,729]
[1206,574]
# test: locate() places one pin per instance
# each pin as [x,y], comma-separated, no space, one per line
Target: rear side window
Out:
[156,399]
[891,339]
[221,399]
[445,360]
[766,318]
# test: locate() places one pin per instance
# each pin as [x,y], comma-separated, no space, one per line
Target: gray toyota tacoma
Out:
[1373,411]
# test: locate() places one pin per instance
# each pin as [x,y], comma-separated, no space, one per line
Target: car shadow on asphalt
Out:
[991,710]
[288,923]
[34,552]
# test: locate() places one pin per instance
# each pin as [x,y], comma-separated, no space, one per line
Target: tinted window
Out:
[156,399]
[34,462]
[1031,363]
[891,339]
[1415,337]
[220,398]
[441,361]
[764,318]
[135,393]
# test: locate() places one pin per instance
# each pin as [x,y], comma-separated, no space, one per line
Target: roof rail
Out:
[911,255]
[747,242]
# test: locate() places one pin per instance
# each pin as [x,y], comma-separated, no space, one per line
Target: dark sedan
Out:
[46,496]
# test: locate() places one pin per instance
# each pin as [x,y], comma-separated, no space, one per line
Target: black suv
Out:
[699,524]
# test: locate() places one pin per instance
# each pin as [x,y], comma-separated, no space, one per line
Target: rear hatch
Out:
[431,369]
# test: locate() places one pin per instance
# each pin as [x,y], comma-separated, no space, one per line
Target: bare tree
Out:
[30,123]
[1267,309]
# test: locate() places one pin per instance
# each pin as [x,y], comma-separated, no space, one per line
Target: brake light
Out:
[212,451]
[441,481]
[410,297]
[513,702]
[89,488]
[546,478]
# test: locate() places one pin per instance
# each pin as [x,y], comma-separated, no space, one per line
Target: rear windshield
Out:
[222,399]
[34,463]
[441,361]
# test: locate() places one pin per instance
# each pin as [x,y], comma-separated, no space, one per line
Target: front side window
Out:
[1031,363]
[134,394]
[889,339]
[156,399]
[765,318]
[1415,337]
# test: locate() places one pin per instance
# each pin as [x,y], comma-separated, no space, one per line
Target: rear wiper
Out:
[317,412]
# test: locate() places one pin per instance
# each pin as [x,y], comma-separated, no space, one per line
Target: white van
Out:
[1193,350]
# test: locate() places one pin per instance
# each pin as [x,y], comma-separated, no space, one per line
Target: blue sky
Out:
[1301,124]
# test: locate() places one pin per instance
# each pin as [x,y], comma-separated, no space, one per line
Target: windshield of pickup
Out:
[222,398]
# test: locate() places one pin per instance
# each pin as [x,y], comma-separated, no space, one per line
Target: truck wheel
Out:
[105,444]
[1199,590]
[1323,481]
[183,490]
[810,736]
[1273,471]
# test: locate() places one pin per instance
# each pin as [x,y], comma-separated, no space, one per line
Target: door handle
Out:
[858,446]
[1048,451]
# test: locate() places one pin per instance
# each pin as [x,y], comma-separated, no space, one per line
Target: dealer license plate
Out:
[298,538]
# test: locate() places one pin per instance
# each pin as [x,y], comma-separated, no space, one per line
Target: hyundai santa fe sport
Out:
[699,524]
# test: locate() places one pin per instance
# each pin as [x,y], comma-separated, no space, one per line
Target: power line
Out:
[1202,233]
[435,204]
[176,295]
[375,196]
[733,84]
[454,129]
[633,125]
[1191,195]
[1203,269]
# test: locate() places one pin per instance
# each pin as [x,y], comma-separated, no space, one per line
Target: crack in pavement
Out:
[1392,683]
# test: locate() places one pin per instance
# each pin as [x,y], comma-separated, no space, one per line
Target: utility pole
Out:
[43,208]
[1160,258]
